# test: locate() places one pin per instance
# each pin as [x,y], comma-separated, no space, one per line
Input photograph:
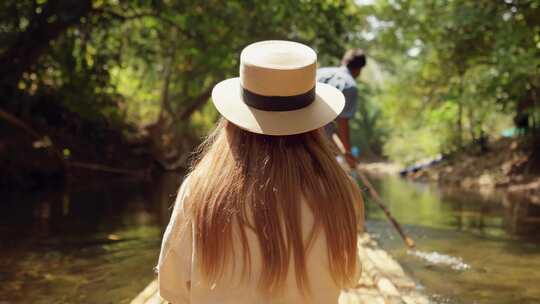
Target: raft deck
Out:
[383,281]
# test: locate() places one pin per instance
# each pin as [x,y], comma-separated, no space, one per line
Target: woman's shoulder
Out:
[179,203]
[185,187]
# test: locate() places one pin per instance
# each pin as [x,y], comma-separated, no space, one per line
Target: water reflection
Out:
[489,215]
[99,244]
[490,233]
[91,245]
[523,216]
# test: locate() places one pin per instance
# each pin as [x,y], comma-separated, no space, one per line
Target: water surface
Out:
[98,244]
[470,248]
[93,245]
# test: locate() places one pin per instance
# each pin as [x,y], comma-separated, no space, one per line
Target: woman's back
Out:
[266,214]
[235,286]
[256,229]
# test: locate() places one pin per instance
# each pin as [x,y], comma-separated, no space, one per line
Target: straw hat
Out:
[277,92]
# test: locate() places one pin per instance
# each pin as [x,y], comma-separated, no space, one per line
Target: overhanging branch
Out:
[198,102]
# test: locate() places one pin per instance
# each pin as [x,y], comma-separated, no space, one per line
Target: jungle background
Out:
[122,87]
[103,101]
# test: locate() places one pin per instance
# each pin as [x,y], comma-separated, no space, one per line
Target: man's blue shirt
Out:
[341,78]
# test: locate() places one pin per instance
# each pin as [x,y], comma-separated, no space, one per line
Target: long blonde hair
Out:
[257,182]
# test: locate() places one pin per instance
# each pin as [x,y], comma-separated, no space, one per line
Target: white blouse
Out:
[179,278]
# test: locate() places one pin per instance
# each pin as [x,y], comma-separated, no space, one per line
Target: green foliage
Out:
[366,131]
[456,71]
[156,61]
[440,74]
[196,44]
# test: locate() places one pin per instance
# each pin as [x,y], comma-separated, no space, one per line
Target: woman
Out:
[266,214]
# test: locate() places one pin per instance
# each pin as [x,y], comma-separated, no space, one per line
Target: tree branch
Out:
[134,16]
[196,104]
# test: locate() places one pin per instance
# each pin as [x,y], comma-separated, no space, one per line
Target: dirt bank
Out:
[509,165]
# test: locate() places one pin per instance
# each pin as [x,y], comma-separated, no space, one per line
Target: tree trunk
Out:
[459,122]
[165,102]
[472,124]
[535,108]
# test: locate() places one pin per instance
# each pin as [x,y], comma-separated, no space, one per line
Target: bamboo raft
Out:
[383,281]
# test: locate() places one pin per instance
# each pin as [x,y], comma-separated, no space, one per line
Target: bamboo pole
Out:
[376,197]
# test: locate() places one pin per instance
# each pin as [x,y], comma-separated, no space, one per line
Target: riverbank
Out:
[510,166]
[54,146]
[383,281]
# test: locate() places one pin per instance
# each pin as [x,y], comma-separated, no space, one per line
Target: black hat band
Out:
[278,103]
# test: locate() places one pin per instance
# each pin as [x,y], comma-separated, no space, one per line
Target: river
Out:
[99,243]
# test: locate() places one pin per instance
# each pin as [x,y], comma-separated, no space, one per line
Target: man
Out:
[344,79]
